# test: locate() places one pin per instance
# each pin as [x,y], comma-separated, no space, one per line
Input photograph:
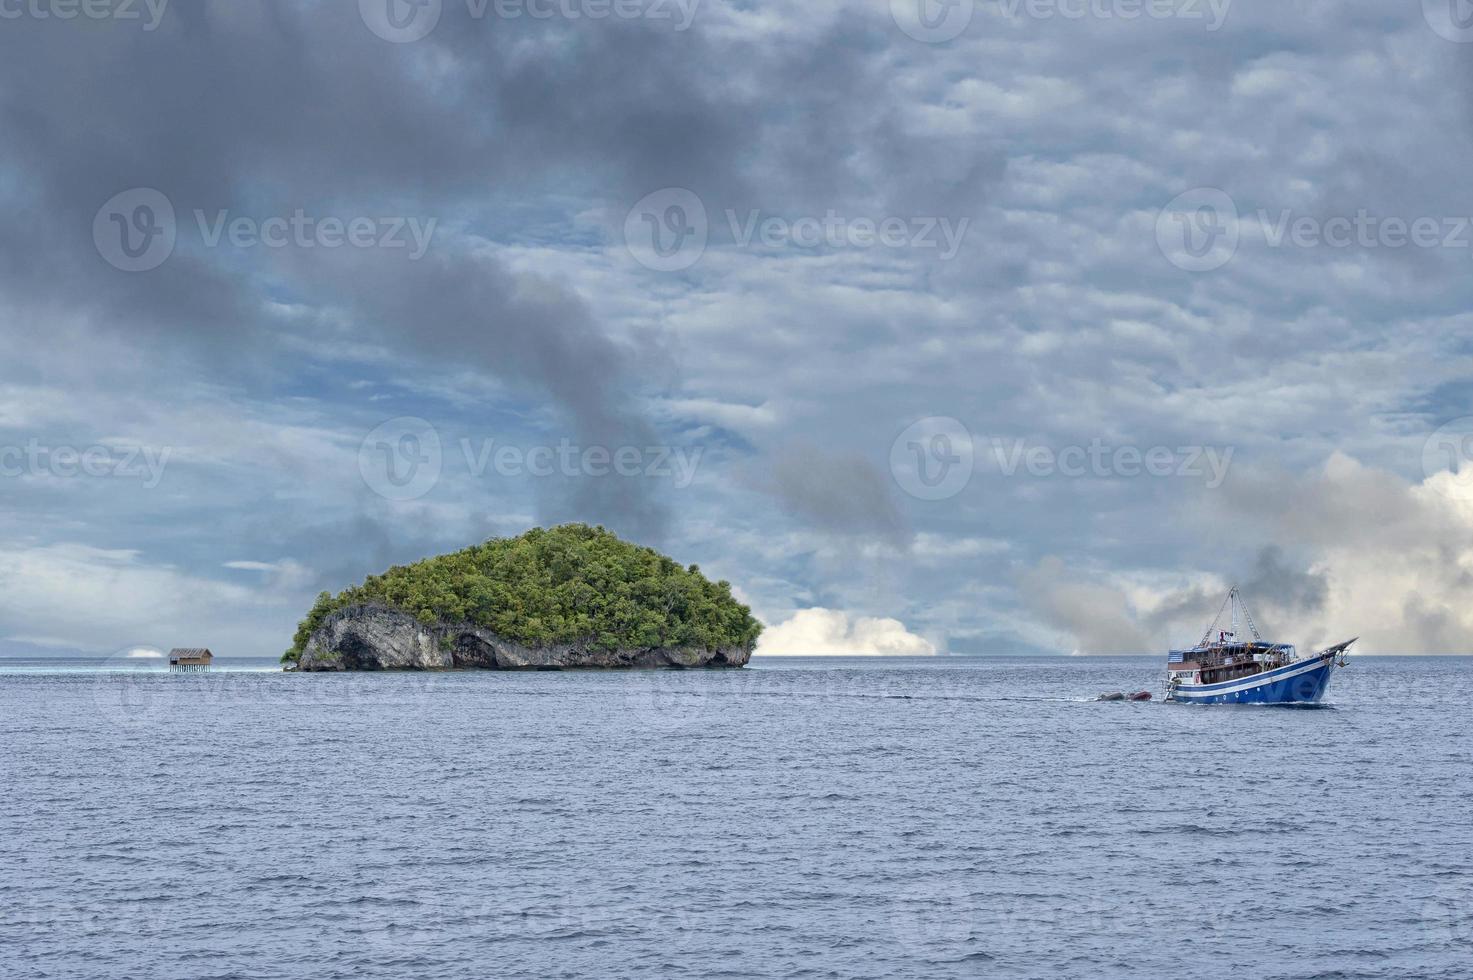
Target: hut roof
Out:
[189,653]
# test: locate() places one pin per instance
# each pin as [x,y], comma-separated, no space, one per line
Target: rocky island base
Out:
[378,638]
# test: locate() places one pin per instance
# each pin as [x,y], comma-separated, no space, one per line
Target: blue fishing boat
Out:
[1226,668]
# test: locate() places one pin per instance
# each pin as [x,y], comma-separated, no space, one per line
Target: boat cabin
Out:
[1227,660]
[190,659]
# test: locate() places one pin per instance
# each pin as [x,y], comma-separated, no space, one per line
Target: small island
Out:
[562,598]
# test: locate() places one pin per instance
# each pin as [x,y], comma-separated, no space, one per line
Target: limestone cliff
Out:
[369,637]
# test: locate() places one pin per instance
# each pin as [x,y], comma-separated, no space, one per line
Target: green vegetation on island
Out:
[571,583]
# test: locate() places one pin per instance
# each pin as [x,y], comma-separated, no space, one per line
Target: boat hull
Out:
[1304,682]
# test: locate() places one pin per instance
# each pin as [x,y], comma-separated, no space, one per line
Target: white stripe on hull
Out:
[1257,680]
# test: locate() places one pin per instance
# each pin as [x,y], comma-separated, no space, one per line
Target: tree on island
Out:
[554,585]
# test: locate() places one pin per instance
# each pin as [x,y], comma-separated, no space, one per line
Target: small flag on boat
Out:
[1177,657]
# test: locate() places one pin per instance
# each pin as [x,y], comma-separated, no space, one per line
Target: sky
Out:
[933,326]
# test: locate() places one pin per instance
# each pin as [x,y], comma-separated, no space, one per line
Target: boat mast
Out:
[1235,600]
[1212,626]
[1247,616]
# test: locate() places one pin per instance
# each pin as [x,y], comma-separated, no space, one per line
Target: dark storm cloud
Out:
[1274,586]
[468,308]
[536,335]
[346,551]
[836,493]
[230,103]
[221,102]
[1292,589]
[260,108]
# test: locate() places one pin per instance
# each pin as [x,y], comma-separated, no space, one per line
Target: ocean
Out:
[805,817]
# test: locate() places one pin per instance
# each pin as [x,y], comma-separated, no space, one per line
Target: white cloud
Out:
[944,549]
[103,601]
[1376,556]
[831,632]
[1397,557]
[746,420]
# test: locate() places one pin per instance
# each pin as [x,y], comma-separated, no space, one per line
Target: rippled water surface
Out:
[801,818]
